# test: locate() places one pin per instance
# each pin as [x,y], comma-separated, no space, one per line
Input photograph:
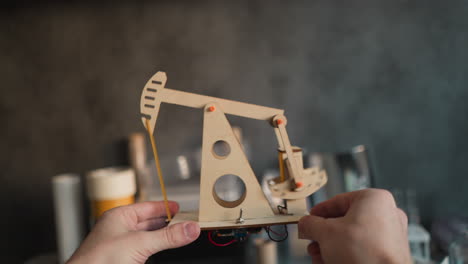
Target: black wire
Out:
[286,234]
[281,208]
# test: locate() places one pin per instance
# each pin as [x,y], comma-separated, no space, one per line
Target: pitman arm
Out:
[154,93]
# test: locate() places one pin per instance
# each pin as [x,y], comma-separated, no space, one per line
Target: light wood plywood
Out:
[232,224]
[251,209]
[254,204]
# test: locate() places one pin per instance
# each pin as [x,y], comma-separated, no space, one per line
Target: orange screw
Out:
[299,184]
[211,109]
[279,121]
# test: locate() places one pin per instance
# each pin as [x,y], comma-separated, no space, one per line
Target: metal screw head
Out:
[240,220]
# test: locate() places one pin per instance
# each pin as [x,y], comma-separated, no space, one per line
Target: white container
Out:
[68,206]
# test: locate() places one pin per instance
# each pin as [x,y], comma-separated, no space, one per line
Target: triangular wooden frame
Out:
[253,203]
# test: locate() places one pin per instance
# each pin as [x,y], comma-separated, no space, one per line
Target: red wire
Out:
[276,233]
[218,244]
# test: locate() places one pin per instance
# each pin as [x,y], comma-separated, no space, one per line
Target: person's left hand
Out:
[132,233]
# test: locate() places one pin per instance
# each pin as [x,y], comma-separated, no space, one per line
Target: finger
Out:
[173,236]
[312,227]
[317,260]
[149,210]
[314,251]
[335,207]
[151,224]
[403,218]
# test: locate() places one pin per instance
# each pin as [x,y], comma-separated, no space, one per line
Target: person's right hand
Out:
[358,227]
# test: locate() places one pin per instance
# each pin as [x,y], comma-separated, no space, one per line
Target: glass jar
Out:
[458,250]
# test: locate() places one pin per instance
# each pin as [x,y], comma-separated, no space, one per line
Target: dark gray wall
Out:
[389,74]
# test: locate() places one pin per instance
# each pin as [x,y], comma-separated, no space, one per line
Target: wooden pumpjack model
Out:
[252,209]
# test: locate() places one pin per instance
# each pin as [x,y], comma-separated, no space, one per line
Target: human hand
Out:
[357,227]
[132,233]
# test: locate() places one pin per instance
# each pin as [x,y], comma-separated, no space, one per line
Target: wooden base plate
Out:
[248,223]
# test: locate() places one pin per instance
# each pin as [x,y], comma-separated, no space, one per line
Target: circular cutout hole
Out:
[229,190]
[221,149]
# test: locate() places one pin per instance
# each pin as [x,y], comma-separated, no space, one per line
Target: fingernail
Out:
[191,230]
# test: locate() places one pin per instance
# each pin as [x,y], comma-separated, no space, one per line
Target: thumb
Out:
[312,227]
[173,236]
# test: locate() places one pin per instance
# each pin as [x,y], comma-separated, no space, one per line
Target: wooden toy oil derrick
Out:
[252,209]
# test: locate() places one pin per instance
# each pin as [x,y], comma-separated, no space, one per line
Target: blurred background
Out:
[390,75]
